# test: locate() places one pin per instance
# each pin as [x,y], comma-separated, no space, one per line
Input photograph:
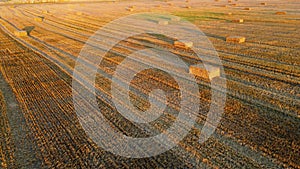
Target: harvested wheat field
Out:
[256,41]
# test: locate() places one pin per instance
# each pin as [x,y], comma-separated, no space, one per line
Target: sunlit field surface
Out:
[260,126]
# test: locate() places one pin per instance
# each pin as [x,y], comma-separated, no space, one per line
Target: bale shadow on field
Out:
[215,36]
[28,29]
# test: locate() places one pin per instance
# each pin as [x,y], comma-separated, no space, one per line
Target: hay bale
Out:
[247,9]
[263,3]
[39,19]
[229,13]
[208,72]
[238,20]
[129,9]
[45,11]
[280,13]
[235,39]
[20,33]
[183,44]
[229,1]
[234,4]
[188,7]
[79,13]
[163,22]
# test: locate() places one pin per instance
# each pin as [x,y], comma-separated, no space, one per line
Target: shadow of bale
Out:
[215,36]
[28,29]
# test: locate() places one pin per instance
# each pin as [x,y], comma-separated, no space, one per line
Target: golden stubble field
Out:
[261,121]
